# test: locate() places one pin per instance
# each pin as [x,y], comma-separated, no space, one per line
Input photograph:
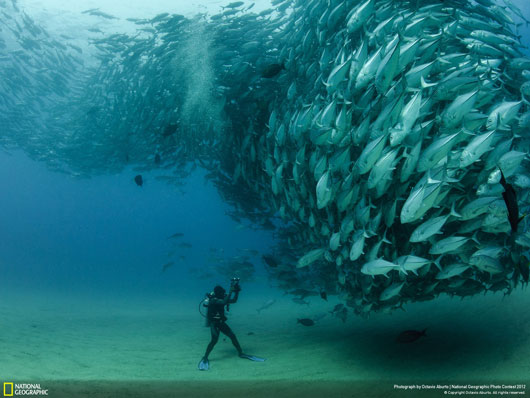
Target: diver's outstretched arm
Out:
[236,296]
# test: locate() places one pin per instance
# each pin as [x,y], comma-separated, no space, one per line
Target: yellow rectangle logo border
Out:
[5,394]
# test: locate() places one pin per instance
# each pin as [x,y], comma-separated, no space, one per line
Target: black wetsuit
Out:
[216,319]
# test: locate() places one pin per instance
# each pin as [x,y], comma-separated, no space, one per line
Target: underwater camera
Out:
[234,282]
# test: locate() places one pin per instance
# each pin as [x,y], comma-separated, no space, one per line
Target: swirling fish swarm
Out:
[385,146]
[378,135]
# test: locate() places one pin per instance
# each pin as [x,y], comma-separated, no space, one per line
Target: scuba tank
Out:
[204,303]
[210,316]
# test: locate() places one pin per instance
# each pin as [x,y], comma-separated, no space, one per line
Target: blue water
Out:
[106,235]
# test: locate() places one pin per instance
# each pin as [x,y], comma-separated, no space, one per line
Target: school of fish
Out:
[390,136]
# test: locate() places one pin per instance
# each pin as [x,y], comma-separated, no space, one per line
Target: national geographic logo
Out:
[8,389]
[20,389]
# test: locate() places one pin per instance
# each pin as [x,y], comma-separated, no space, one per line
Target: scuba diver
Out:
[216,320]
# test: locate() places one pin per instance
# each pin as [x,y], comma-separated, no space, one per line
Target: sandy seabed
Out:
[98,346]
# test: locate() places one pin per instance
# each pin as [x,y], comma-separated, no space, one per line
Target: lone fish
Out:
[272,70]
[266,305]
[306,321]
[270,260]
[167,265]
[410,336]
[510,198]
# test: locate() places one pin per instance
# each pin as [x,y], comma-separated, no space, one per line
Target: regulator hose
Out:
[200,305]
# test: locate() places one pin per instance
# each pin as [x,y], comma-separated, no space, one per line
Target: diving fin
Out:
[204,364]
[252,358]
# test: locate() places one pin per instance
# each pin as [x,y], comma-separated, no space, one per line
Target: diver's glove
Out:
[236,288]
